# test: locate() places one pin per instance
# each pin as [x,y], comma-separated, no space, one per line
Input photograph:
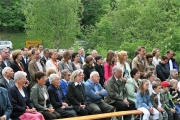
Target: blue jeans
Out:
[177,108]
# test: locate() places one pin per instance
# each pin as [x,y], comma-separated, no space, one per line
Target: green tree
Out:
[53,21]
[11,17]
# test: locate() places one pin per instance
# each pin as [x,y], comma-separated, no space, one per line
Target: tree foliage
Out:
[11,16]
[53,21]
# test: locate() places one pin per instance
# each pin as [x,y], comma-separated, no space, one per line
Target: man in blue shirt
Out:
[95,94]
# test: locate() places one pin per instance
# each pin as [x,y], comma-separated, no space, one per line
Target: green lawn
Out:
[18,39]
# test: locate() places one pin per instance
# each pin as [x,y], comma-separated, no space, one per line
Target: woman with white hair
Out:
[57,98]
[22,107]
[76,93]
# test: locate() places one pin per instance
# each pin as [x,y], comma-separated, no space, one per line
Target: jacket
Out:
[171,104]
[37,97]
[75,95]
[18,102]
[162,72]
[53,96]
[100,70]
[5,104]
[63,87]
[33,68]
[132,88]
[91,96]
[143,100]
[137,63]
[4,83]
[114,89]
[62,65]
[154,100]
[87,71]
[15,66]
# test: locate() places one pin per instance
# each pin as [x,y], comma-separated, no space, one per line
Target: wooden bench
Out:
[105,115]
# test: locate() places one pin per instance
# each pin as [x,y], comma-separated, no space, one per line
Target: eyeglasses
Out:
[69,75]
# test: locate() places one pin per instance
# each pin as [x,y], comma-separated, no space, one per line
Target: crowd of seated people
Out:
[37,84]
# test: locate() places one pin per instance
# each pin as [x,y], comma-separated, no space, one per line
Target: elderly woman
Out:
[88,67]
[122,58]
[57,98]
[49,71]
[22,107]
[16,64]
[76,94]
[40,97]
[75,60]
[132,84]
[66,62]
[65,74]
[53,62]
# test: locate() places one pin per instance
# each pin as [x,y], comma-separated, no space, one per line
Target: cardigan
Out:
[75,95]
[53,96]
[19,102]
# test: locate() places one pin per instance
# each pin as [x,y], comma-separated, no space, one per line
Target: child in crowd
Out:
[157,80]
[168,103]
[143,102]
[156,100]
[175,94]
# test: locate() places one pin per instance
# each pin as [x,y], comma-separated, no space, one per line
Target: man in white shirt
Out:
[169,56]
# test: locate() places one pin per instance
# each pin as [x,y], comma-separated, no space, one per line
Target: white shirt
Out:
[76,83]
[150,87]
[39,65]
[159,97]
[170,64]
[156,61]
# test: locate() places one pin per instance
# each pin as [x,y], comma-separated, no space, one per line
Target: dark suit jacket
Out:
[80,60]
[4,83]
[76,95]
[53,96]
[44,59]
[100,70]
[37,97]
[15,66]
[5,105]
[18,102]
[25,65]
[8,64]
[33,68]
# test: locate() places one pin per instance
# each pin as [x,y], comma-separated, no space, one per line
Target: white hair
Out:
[5,70]
[116,68]
[19,74]
[93,51]
[52,77]
[93,74]
[173,71]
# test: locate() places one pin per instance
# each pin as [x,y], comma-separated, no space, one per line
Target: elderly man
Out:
[117,93]
[5,105]
[173,74]
[95,94]
[81,55]
[35,65]
[57,98]
[7,80]
[5,58]
[65,75]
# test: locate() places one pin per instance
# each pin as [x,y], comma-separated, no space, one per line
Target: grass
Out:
[18,39]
